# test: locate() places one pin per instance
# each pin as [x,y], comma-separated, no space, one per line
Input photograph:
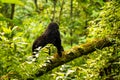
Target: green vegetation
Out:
[81,21]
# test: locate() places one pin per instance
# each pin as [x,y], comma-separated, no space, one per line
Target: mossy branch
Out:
[73,53]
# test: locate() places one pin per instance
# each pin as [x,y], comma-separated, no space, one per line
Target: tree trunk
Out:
[12,11]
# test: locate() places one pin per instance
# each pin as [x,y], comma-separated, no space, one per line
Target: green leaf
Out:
[7,30]
[13,2]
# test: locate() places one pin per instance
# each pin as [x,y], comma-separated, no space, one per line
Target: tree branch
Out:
[73,53]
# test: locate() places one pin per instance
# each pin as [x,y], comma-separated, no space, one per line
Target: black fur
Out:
[52,36]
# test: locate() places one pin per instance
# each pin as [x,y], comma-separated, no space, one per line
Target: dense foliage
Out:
[80,21]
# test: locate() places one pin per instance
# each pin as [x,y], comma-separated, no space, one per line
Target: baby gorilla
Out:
[50,36]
